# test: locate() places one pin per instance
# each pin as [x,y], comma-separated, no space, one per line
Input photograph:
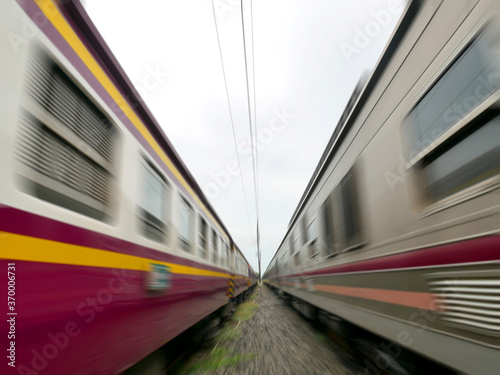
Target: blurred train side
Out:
[398,231]
[115,248]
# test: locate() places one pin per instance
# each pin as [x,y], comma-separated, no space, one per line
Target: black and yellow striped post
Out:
[230,287]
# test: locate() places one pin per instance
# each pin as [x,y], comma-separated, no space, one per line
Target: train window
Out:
[303,230]
[295,244]
[203,236]
[467,159]
[467,82]
[230,256]
[66,146]
[328,225]
[226,252]
[311,239]
[297,259]
[153,203]
[222,252]
[185,225]
[283,262]
[351,209]
[453,154]
[214,247]
[225,255]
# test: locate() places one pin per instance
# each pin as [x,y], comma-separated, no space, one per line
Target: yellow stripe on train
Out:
[19,247]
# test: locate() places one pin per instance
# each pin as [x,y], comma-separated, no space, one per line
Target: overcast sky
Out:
[309,55]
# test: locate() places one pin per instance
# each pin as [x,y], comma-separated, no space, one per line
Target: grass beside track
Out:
[245,311]
[230,331]
[222,355]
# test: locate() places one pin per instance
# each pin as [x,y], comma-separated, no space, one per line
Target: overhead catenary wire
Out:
[252,136]
[231,117]
[254,107]
[256,134]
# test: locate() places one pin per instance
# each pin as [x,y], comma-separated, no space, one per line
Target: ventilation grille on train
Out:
[44,152]
[50,87]
[65,143]
[469,300]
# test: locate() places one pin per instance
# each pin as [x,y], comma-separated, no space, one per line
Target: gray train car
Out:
[398,231]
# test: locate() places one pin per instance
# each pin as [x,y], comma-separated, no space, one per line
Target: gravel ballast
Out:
[265,336]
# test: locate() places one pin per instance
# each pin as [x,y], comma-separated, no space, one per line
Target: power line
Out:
[254,149]
[255,128]
[231,116]
[254,104]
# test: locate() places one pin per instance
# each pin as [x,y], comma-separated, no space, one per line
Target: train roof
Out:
[82,24]
[359,97]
